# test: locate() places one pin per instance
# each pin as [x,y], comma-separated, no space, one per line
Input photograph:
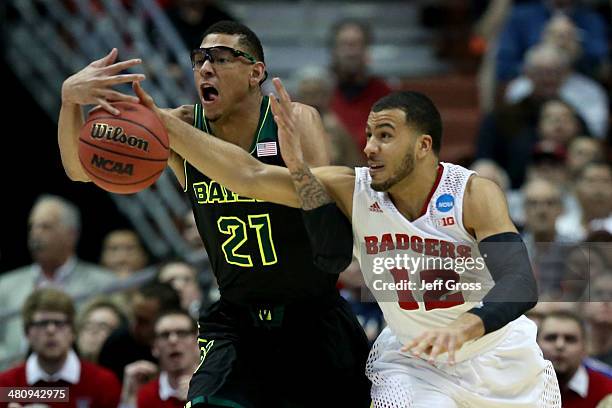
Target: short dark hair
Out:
[341,24]
[247,37]
[47,300]
[178,312]
[164,293]
[567,315]
[420,113]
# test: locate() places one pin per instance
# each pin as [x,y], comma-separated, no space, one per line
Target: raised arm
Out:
[90,86]
[229,164]
[315,187]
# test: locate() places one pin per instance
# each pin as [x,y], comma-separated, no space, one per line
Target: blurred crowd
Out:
[126,324]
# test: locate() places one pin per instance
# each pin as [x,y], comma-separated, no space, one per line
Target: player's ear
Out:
[424,145]
[257,73]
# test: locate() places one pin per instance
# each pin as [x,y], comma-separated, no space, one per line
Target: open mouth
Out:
[209,93]
[376,167]
[175,354]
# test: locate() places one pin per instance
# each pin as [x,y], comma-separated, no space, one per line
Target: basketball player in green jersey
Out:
[280,336]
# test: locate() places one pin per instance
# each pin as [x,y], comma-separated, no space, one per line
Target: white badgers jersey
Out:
[426,272]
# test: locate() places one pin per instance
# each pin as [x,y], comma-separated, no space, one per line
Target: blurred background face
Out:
[561,32]
[599,310]
[314,92]
[50,335]
[542,206]
[562,343]
[490,170]
[581,151]
[96,327]
[558,122]
[49,239]
[123,253]
[350,51]
[594,190]
[144,313]
[547,72]
[176,343]
[182,277]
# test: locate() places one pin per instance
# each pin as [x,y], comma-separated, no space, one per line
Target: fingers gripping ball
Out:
[125,153]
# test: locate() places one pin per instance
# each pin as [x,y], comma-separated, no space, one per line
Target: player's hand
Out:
[434,342]
[93,84]
[285,116]
[449,339]
[136,374]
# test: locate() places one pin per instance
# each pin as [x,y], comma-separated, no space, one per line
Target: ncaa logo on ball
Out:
[445,203]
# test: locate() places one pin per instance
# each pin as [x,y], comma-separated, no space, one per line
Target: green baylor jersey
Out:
[259,251]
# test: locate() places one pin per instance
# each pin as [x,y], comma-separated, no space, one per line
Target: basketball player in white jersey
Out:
[453,339]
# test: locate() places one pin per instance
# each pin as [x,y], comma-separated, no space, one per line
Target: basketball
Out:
[126,153]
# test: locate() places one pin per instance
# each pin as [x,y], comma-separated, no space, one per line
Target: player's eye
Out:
[368,135]
[385,135]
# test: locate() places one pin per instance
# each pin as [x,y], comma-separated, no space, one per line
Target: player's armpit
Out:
[485,210]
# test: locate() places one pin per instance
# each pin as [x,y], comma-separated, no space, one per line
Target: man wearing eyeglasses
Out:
[48,316]
[176,348]
[281,336]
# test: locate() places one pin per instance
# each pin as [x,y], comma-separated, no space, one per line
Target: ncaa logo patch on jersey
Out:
[445,203]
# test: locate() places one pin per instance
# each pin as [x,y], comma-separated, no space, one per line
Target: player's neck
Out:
[240,125]
[410,194]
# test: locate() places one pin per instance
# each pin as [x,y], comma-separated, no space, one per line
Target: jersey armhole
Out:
[461,224]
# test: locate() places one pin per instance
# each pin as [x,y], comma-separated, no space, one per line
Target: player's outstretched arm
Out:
[90,86]
[224,162]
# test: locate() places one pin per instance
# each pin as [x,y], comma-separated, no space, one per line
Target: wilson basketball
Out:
[126,153]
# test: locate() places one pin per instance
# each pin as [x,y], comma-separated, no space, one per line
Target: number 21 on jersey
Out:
[237,230]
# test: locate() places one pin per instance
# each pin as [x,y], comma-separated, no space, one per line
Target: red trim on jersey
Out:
[433,190]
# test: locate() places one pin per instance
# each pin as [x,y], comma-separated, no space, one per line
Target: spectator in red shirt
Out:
[176,348]
[562,339]
[356,90]
[48,316]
